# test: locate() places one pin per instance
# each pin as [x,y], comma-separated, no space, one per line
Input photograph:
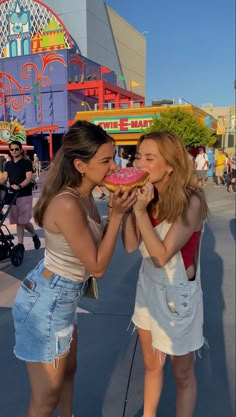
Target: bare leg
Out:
[233,181]
[46,380]
[220,179]
[154,362]
[66,397]
[30,228]
[20,233]
[101,191]
[183,367]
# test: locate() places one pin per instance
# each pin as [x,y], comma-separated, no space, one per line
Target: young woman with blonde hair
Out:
[75,246]
[168,216]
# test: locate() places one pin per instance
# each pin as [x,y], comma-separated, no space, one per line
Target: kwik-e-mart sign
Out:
[123,124]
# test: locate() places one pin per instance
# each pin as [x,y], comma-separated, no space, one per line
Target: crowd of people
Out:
[222,166]
[217,164]
[164,219]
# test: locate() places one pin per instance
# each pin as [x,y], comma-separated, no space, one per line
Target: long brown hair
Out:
[80,142]
[174,200]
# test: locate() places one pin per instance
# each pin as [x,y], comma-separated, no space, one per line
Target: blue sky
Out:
[190,48]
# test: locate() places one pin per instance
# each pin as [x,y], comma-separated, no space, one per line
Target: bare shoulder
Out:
[65,205]
[195,211]
[65,201]
[64,208]
[195,202]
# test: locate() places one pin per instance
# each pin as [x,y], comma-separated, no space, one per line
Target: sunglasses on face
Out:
[14,149]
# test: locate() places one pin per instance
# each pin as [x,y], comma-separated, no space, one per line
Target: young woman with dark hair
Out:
[75,247]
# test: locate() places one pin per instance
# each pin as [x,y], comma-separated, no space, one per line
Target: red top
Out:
[189,249]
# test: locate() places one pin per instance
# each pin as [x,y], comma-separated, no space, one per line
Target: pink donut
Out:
[126,177]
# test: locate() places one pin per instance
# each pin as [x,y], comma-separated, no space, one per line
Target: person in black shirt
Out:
[18,172]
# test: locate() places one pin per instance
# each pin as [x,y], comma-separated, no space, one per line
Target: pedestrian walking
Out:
[100,189]
[36,166]
[220,161]
[231,180]
[124,160]
[76,246]
[168,216]
[201,165]
[18,173]
[117,160]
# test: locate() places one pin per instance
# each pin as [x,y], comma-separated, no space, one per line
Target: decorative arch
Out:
[40,17]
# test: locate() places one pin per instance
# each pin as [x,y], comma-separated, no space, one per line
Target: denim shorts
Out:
[44,315]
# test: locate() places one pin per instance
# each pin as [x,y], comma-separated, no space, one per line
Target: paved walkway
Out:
[109,381]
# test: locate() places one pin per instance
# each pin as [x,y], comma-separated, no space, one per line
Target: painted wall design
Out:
[50,38]
[33,88]
[38,60]
[12,131]
[28,26]
[18,39]
[29,89]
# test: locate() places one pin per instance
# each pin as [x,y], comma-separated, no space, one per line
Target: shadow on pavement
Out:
[107,344]
[211,369]
[214,397]
[109,381]
[232,226]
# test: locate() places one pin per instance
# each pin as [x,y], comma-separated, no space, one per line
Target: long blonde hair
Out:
[81,141]
[174,200]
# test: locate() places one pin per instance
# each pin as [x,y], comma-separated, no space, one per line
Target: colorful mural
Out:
[12,131]
[33,86]
[16,93]
[50,38]
[28,26]
[44,79]
[18,38]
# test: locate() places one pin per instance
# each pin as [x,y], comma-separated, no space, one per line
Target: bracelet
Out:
[108,205]
[20,186]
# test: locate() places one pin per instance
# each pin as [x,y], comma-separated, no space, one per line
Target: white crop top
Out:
[59,258]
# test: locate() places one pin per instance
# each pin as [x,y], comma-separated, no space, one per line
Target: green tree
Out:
[185,125]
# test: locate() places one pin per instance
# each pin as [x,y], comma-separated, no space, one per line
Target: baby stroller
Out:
[7,247]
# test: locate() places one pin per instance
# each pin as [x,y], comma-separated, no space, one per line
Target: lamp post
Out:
[84,104]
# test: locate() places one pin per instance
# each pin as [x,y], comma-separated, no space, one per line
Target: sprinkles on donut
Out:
[126,177]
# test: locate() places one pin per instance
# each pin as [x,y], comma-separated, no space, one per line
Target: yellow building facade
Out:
[126,125]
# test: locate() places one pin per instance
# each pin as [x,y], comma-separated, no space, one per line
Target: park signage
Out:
[122,124]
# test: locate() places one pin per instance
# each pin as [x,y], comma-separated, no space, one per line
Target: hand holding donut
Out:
[123,184]
[144,196]
[121,203]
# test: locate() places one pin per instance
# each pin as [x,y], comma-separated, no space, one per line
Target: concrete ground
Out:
[109,381]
